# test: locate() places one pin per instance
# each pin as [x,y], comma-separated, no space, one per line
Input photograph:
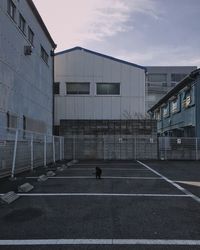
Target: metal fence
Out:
[22,150]
[110,147]
[126,147]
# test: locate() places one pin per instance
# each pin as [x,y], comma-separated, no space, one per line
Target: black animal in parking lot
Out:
[98,172]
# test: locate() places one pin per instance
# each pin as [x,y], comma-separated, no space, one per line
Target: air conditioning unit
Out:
[28,50]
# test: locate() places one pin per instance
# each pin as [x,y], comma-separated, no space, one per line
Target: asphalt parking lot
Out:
[136,205]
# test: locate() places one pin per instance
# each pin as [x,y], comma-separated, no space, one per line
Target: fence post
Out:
[63,148]
[14,154]
[45,150]
[60,148]
[32,152]
[54,153]
[74,148]
[196,142]
[135,150]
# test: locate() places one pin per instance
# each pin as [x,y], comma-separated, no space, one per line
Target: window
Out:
[11,9]
[56,88]
[157,77]
[44,55]
[164,84]
[177,77]
[165,111]
[78,88]
[108,88]
[30,35]
[173,84]
[187,99]
[175,105]
[11,121]
[22,23]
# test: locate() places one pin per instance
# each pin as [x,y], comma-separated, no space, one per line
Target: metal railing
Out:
[21,150]
[127,147]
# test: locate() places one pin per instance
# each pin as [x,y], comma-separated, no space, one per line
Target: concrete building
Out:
[98,93]
[26,68]
[178,112]
[161,79]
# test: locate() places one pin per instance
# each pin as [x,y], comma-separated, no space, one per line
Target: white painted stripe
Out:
[194,197]
[114,169]
[101,194]
[106,164]
[168,242]
[91,177]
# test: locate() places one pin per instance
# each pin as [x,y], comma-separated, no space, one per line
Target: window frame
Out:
[30,36]
[22,23]
[44,55]
[108,83]
[78,91]
[11,9]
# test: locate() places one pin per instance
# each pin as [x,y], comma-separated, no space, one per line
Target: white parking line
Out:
[101,194]
[114,169]
[92,177]
[194,197]
[166,242]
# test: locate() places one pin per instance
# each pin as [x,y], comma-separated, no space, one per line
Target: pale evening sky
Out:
[146,32]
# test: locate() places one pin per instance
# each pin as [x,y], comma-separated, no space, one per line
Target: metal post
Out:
[45,150]
[63,148]
[74,148]
[135,144]
[31,152]
[196,140]
[54,153]
[60,148]
[14,154]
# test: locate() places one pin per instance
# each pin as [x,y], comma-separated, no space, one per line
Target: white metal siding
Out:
[25,81]
[82,66]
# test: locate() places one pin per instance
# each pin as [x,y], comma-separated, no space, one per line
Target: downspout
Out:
[53,80]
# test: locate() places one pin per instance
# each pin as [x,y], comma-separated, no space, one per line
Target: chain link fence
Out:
[21,150]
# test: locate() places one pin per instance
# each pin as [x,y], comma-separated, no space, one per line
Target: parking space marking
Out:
[185,191]
[115,169]
[168,242]
[102,194]
[92,177]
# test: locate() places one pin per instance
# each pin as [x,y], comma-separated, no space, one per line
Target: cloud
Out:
[79,22]
[163,55]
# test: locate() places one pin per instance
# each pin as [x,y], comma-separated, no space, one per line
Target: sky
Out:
[145,32]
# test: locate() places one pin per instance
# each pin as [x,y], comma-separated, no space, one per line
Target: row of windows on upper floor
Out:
[12,11]
[180,102]
[83,88]
[162,78]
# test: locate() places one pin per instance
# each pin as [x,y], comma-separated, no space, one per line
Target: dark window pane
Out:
[78,88]
[108,88]
[11,9]
[44,55]
[22,23]
[30,35]
[56,88]
[177,77]
[157,77]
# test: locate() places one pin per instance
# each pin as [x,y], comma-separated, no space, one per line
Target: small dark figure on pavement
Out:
[98,172]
